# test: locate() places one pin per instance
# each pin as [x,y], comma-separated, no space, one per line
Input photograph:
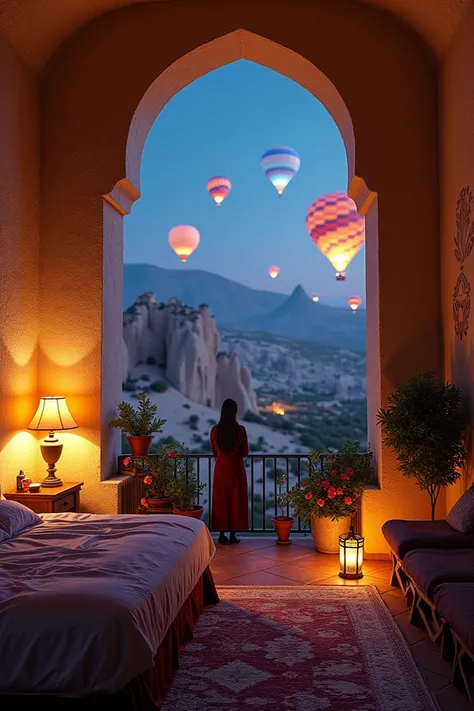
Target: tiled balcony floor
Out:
[258,561]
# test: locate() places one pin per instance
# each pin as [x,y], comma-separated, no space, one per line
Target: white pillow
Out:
[15,517]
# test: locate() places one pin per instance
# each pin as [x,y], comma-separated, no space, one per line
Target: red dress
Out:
[230,505]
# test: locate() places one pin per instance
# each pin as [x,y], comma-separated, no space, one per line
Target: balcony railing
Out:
[263,472]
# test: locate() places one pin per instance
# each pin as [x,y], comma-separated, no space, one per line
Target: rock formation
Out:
[185,343]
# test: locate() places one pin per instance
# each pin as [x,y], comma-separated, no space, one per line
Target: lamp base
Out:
[51,451]
[351,576]
[51,482]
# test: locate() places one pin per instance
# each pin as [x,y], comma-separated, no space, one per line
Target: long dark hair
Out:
[227,426]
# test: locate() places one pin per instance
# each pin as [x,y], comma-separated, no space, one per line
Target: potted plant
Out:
[283,523]
[426,427]
[139,424]
[185,489]
[328,497]
[159,481]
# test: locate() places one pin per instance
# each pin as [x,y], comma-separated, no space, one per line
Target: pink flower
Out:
[144,502]
[348,500]
[173,454]
[334,472]
[126,461]
[308,496]
[326,484]
[147,479]
[331,460]
[332,492]
[349,472]
[346,477]
[339,490]
[320,502]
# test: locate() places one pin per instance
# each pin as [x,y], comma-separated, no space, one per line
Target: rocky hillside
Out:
[185,343]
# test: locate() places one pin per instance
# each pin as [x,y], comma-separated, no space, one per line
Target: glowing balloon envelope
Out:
[183,239]
[337,229]
[354,302]
[218,188]
[274,272]
[280,165]
[315,298]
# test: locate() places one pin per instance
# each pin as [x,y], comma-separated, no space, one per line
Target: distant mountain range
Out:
[295,316]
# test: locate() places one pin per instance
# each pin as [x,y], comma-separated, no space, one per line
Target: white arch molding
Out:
[229,48]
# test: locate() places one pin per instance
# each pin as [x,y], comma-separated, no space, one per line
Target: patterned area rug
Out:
[301,648]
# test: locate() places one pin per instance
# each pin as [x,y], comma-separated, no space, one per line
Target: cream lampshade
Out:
[52,415]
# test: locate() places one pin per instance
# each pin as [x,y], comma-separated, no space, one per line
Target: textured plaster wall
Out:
[91,91]
[457,172]
[19,264]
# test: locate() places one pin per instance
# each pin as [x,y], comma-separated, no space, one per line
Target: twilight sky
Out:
[221,125]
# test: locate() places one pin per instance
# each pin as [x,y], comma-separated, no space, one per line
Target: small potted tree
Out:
[328,497]
[425,425]
[283,523]
[185,489]
[159,482]
[138,424]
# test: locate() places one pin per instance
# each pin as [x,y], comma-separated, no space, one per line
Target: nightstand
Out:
[61,498]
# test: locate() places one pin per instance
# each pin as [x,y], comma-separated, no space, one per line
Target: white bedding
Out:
[86,600]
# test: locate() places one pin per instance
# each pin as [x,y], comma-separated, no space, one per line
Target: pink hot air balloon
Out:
[218,188]
[354,302]
[274,272]
[183,239]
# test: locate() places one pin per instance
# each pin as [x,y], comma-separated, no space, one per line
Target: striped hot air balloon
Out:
[274,272]
[280,165]
[218,188]
[183,239]
[337,229]
[354,302]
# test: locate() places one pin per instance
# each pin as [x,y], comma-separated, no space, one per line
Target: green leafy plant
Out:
[282,498]
[185,488]
[163,467]
[334,484]
[425,425]
[139,421]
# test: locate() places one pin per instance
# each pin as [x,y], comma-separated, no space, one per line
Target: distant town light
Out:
[315,298]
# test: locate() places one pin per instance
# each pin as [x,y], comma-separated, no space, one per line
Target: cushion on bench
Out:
[461,516]
[405,536]
[455,602]
[429,568]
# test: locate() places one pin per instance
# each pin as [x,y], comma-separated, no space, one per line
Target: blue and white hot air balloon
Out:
[280,165]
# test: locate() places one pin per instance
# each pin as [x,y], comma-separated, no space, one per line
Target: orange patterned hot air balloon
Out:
[354,302]
[218,188]
[183,239]
[337,229]
[274,272]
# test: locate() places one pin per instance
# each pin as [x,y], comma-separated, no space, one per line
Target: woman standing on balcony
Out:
[230,506]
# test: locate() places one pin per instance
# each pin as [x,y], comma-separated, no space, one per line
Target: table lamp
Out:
[52,415]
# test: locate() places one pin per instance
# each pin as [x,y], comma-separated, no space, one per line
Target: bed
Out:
[95,609]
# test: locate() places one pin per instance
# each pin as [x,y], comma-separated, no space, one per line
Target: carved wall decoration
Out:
[463,243]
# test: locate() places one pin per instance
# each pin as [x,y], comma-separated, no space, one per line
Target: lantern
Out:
[351,555]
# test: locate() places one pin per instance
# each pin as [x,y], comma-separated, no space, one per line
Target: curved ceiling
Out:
[36,28]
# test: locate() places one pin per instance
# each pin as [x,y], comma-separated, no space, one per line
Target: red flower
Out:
[334,472]
[326,484]
[308,496]
[331,460]
[348,500]
[332,492]
[173,454]
[346,477]
[339,490]
[349,472]
[144,502]
[320,502]
[126,461]
[147,479]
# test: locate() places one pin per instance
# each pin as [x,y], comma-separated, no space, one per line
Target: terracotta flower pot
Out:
[326,533]
[140,444]
[163,505]
[283,528]
[195,512]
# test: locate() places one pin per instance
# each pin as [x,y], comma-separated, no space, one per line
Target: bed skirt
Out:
[147,691]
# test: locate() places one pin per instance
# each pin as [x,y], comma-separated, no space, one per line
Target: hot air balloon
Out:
[354,302]
[218,188]
[183,239]
[280,165]
[337,229]
[274,272]
[315,298]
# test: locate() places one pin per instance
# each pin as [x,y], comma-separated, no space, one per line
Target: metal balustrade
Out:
[263,472]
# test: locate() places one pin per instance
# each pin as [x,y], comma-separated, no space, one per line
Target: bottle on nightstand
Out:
[19,480]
